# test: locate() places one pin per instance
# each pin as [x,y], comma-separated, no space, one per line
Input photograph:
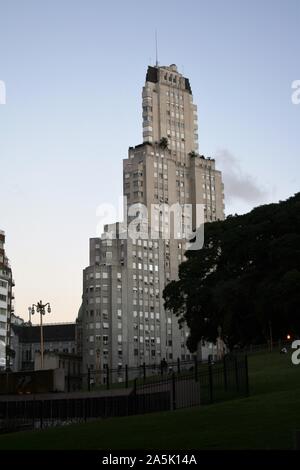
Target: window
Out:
[105,339]
[105,314]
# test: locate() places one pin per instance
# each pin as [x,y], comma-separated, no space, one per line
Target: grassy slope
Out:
[266,419]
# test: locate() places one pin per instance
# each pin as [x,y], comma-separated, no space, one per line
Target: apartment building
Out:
[6,305]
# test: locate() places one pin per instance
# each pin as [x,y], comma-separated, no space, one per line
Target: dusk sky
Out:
[74,72]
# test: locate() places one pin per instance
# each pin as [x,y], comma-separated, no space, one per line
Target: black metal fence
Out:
[125,377]
[169,390]
[202,384]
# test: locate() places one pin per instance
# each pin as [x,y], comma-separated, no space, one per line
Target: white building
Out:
[6,306]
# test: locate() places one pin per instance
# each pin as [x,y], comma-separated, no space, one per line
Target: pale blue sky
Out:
[74,72]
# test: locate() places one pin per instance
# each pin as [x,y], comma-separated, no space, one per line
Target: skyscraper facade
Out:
[6,305]
[122,314]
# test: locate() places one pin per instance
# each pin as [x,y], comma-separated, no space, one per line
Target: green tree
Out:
[246,277]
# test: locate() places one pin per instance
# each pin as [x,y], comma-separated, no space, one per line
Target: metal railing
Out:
[219,381]
[171,390]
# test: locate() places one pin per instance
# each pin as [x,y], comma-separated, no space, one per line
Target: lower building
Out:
[59,338]
[70,363]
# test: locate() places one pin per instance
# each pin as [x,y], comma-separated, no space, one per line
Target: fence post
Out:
[225,373]
[41,414]
[144,371]
[126,376]
[51,411]
[178,365]
[68,378]
[33,412]
[210,377]
[247,375]
[89,379]
[236,373]
[134,386]
[107,377]
[173,392]
[85,409]
[196,368]
[161,368]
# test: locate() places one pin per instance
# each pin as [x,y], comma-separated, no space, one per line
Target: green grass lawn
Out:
[265,420]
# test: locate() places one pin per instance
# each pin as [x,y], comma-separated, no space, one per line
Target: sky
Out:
[73,72]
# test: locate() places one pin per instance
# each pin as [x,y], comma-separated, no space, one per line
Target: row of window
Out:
[146,267]
[146,315]
[176,124]
[97,275]
[174,94]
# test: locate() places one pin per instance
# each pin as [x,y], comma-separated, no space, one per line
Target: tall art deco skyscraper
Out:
[122,313]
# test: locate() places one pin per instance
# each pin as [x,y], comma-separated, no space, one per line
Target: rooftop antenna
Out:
[156,54]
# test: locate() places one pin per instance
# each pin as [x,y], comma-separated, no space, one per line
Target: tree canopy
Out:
[246,278]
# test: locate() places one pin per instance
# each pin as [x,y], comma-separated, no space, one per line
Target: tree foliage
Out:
[246,278]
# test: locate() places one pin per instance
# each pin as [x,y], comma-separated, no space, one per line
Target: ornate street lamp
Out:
[41,309]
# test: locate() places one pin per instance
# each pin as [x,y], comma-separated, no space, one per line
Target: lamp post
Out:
[40,308]
[29,312]
[271,335]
